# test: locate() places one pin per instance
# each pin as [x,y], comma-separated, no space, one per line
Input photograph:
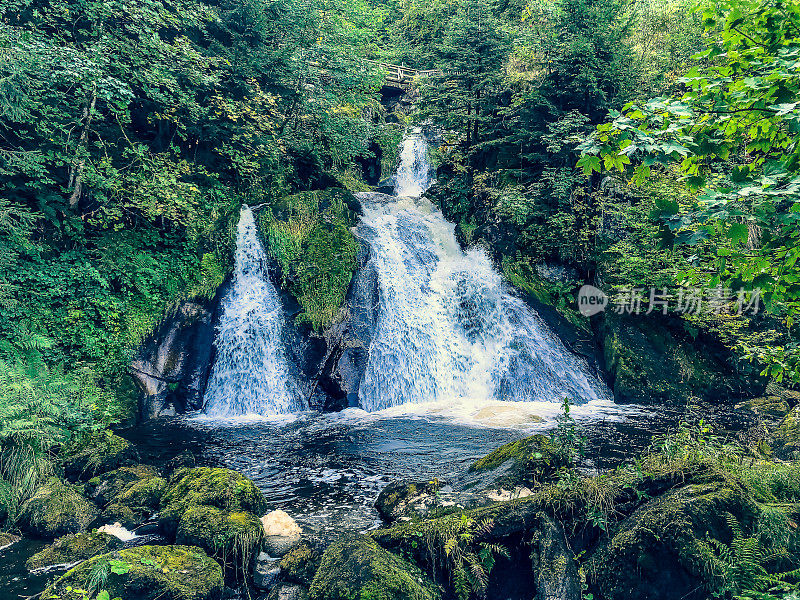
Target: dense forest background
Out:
[624,143]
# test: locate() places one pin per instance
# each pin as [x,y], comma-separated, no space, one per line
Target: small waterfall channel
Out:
[252,374]
[448,328]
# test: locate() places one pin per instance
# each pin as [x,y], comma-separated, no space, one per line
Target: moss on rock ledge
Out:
[659,551]
[356,568]
[73,548]
[98,453]
[230,537]
[309,235]
[56,509]
[300,564]
[533,460]
[153,573]
[206,486]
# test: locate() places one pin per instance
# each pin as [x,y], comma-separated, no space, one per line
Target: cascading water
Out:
[448,328]
[251,373]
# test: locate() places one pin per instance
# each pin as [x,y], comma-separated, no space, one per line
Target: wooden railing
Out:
[397,76]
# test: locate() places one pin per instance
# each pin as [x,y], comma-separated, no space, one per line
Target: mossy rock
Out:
[154,573]
[231,537]
[397,498]
[206,486]
[300,564]
[309,235]
[653,358]
[529,461]
[73,548]
[659,551]
[786,438]
[771,407]
[106,488]
[356,568]
[56,509]
[98,453]
[137,502]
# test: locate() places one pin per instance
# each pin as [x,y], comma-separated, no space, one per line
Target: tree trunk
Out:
[78,165]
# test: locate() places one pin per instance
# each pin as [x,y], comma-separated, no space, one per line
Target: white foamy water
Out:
[449,329]
[251,374]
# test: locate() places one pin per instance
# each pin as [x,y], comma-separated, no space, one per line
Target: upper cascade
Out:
[413,175]
[252,373]
[448,327]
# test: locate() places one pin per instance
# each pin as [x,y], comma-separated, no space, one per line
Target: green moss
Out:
[6,539]
[300,564]
[663,543]
[154,573]
[73,548]
[787,436]
[558,295]
[205,486]
[309,235]
[95,454]
[231,537]
[356,568]
[56,509]
[6,501]
[107,487]
[535,459]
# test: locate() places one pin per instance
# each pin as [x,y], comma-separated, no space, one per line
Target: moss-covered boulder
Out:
[786,438]
[300,565]
[231,537]
[658,552]
[529,461]
[309,235]
[105,488]
[356,568]
[149,573]
[656,358]
[56,509]
[206,486]
[98,453]
[73,548]
[399,498]
[137,502]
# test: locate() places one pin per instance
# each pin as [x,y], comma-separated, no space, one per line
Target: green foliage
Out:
[309,235]
[733,136]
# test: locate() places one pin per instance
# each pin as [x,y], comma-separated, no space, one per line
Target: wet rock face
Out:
[56,509]
[173,364]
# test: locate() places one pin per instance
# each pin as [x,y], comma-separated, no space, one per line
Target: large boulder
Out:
[149,573]
[655,358]
[300,564]
[553,563]
[356,568]
[99,453]
[399,498]
[73,548]
[529,461]
[56,509]
[129,495]
[230,537]
[657,552]
[105,488]
[206,486]
[172,365]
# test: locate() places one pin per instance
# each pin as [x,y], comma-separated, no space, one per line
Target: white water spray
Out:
[448,327]
[251,373]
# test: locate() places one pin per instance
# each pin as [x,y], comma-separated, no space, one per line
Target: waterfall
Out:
[448,327]
[251,373]
[413,174]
